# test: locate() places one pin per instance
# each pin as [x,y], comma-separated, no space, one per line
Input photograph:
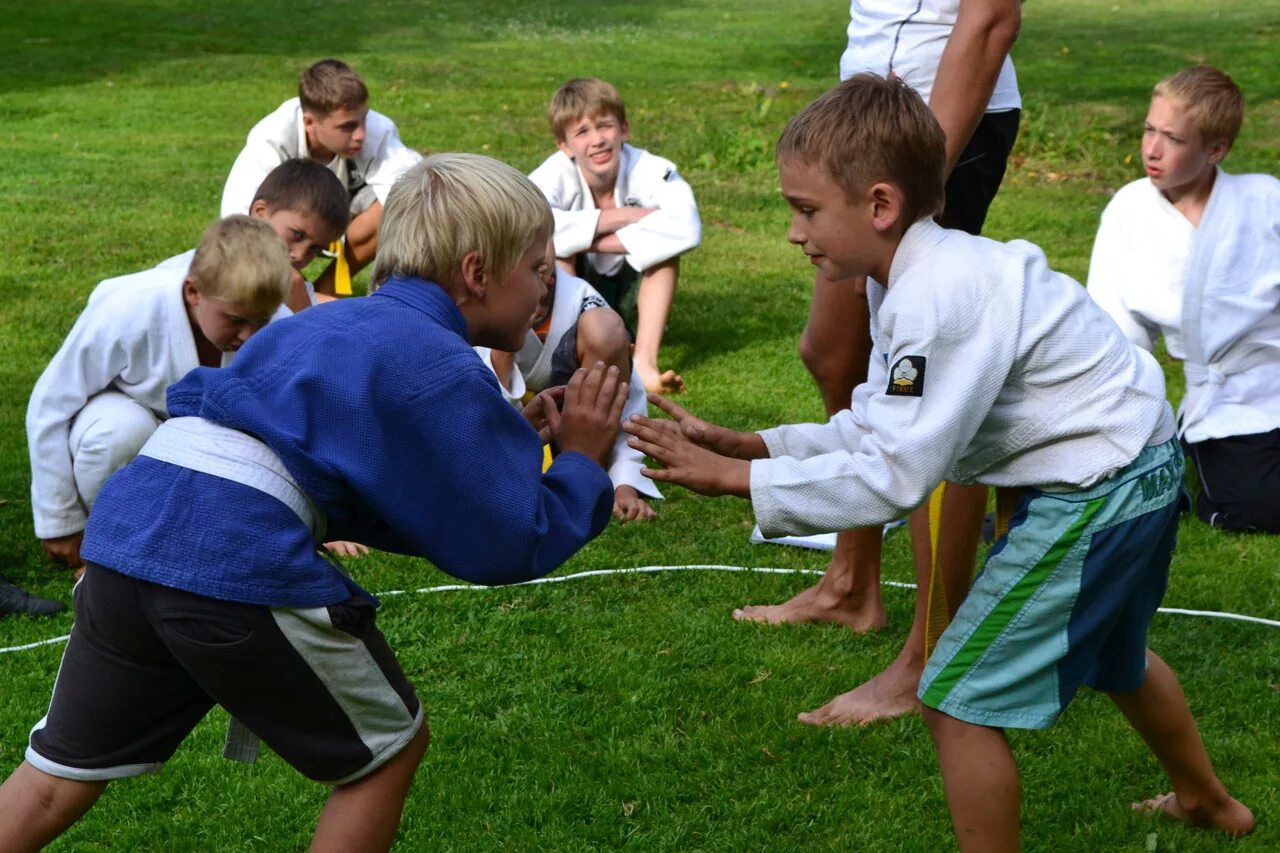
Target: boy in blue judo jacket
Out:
[205,583]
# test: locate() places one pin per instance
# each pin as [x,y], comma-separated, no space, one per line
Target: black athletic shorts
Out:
[976,178]
[145,663]
[1239,481]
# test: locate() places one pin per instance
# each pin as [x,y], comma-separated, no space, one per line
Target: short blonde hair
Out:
[242,259]
[1211,99]
[330,85]
[871,128]
[584,97]
[449,205]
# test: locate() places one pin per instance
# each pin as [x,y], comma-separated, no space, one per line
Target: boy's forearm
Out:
[749,445]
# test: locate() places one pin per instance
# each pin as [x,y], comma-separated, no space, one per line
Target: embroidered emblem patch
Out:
[906,379]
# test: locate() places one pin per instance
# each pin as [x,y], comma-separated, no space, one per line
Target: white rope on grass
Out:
[711,567]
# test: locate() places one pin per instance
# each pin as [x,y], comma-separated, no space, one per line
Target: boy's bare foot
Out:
[890,694]
[817,604]
[665,382]
[1230,815]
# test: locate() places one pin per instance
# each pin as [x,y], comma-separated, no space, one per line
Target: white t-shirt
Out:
[906,38]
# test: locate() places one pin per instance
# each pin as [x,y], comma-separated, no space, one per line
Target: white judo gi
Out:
[281,136]
[987,367]
[1212,292]
[644,180]
[103,393]
[532,373]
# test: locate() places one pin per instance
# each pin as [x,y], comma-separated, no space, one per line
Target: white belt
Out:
[220,451]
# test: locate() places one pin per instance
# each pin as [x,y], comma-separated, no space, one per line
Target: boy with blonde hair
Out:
[987,367]
[204,583]
[620,212]
[306,204]
[102,394]
[1192,253]
[329,122]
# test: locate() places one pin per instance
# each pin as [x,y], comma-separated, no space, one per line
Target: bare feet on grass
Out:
[819,604]
[660,382]
[1227,814]
[890,694]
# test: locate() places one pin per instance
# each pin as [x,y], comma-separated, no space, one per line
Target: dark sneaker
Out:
[14,599]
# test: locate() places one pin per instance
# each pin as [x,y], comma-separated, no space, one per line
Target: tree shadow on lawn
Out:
[57,44]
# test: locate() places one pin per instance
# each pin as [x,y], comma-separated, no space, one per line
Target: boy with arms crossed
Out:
[102,394]
[1193,253]
[620,212]
[991,368]
[260,461]
[329,122]
[574,327]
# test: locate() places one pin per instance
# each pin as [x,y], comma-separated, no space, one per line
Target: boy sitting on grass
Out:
[988,367]
[1192,253]
[102,394]
[573,328]
[620,212]
[306,204]
[329,122]
[204,583]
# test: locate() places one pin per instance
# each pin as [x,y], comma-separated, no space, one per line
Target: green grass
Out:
[620,711]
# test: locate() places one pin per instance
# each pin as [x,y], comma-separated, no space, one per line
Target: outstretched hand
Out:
[721,440]
[592,412]
[543,413]
[687,463]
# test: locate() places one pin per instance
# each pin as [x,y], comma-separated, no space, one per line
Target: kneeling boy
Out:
[987,367]
[204,582]
[102,394]
[620,211]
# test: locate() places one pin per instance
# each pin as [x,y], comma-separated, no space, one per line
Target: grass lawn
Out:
[621,711]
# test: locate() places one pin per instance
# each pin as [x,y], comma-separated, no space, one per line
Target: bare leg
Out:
[1158,712]
[653,307]
[836,343]
[848,593]
[36,808]
[359,248]
[892,692]
[364,815]
[981,780]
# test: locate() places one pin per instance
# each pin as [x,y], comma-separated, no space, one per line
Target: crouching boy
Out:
[204,583]
[102,394]
[987,367]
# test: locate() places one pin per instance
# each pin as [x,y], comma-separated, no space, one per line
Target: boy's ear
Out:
[564,146]
[474,276]
[886,205]
[190,292]
[1218,150]
[259,209]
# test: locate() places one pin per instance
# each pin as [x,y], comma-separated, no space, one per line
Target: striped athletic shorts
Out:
[1065,599]
[145,663]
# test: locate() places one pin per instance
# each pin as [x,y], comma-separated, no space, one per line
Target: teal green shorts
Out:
[1065,599]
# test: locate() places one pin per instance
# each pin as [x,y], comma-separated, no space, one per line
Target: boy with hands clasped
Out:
[987,367]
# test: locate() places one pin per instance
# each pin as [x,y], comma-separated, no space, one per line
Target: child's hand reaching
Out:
[543,412]
[592,412]
[726,442]
[687,463]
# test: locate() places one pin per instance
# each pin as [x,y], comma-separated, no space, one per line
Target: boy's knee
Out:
[602,336]
[111,428]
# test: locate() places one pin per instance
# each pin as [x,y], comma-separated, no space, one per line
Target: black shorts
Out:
[976,178]
[145,663]
[618,289]
[1239,481]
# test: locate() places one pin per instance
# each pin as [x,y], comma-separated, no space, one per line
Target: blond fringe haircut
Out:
[870,129]
[584,97]
[242,259]
[1210,98]
[450,205]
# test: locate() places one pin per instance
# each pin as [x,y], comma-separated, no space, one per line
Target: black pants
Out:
[1239,481]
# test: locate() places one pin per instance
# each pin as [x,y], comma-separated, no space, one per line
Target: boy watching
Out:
[306,204]
[260,460]
[573,328]
[102,394]
[620,212]
[329,122]
[987,367]
[1192,253]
